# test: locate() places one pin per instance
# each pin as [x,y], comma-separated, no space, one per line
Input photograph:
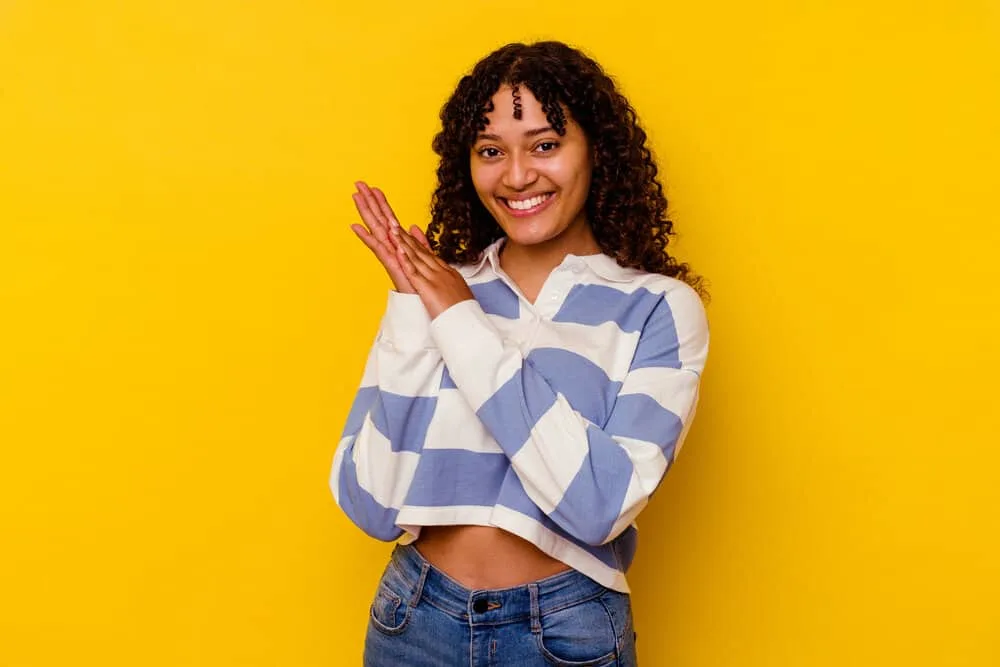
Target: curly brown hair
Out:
[626,207]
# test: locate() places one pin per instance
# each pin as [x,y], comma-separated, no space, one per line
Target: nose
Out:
[519,173]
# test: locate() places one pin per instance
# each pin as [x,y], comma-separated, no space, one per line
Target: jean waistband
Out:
[492,605]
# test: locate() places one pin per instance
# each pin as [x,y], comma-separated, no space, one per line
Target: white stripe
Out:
[455,426]
[648,461]
[370,376]
[383,473]
[412,516]
[674,389]
[687,424]
[544,473]
[407,373]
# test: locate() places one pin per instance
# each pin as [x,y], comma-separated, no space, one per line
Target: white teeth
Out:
[526,204]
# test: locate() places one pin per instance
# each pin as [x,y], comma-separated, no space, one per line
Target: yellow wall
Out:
[185,316]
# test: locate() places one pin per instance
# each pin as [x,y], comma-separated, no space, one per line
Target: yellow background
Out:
[186,313]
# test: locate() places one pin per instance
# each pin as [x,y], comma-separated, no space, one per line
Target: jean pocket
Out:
[579,636]
[390,610]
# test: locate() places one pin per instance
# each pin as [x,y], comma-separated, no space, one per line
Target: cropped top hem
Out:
[411,519]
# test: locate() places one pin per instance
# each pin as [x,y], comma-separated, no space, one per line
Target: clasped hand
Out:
[406,255]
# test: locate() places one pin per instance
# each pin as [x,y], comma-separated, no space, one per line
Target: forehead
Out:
[505,101]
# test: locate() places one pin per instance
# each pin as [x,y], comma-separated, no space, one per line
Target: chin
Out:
[528,232]
[526,237]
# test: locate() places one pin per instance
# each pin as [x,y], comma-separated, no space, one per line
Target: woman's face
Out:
[533,181]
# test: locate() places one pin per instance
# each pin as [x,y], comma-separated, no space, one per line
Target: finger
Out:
[411,270]
[363,234]
[386,256]
[375,211]
[384,208]
[409,253]
[418,234]
[416,251]
[382,253]
[371,200]
[369,217]
[420,244]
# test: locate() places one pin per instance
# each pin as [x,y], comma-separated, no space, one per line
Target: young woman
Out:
[534,375]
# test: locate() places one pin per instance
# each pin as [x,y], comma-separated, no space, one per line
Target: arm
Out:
[378,451]
[591,479]
[376,457]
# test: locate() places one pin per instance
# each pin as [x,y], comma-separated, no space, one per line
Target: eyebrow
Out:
[527,133]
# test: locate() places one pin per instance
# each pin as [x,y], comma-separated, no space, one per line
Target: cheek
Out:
[483,181]
[572,174]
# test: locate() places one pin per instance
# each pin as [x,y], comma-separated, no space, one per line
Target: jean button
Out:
[480,606]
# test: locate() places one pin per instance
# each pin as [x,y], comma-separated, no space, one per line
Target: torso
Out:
[485,557]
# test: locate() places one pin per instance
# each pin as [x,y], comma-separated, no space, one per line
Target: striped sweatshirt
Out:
[554,420]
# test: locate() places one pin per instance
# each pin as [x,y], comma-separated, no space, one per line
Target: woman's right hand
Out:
[375,233]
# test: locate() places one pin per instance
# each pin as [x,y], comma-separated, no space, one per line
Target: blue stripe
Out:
[446,381]
[496,298]
[513,496]
[457,477]
[362,508]
[511,412]
[597,304]
[516,407]
[582,383]
[594,498]
[639,416]
[403,419]
[362,405]
[658,345]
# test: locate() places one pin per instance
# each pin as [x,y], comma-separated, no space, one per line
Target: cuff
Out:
[406,323]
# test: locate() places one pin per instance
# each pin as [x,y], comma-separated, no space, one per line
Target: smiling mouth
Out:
[521,207]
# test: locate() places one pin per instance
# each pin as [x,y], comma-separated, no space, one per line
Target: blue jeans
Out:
[422,618]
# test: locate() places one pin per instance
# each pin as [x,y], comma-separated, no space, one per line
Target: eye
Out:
[489,152]
[547,146]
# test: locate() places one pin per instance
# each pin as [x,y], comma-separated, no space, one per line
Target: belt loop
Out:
[536,621]
[419,590]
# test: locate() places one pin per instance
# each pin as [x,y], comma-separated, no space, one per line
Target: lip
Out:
[529,212]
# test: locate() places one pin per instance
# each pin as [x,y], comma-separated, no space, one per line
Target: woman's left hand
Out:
[439,286]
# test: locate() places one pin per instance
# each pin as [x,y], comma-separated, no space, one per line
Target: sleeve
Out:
[378,452]
[591,480]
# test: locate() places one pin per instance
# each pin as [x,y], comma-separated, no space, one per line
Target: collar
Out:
[603,265]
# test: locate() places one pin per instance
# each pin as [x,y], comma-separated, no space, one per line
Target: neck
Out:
[541,258]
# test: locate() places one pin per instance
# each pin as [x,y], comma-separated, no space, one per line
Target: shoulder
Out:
[677,321]
[668,294]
